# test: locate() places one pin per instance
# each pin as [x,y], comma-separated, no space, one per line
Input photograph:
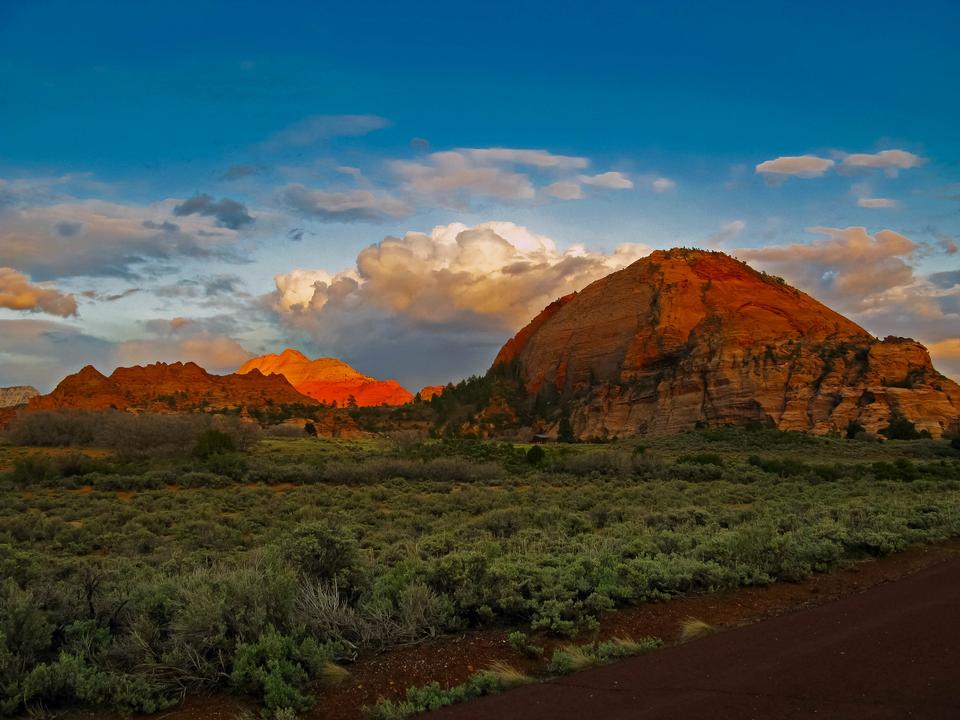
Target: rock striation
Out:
[687,338]
[16,395]
[177,387]
[329,380]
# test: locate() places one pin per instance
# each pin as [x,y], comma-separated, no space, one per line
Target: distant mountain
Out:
[167,388]
[17,395]
[329,379]
[688,338]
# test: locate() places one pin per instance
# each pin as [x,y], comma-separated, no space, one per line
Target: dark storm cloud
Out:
[228,213]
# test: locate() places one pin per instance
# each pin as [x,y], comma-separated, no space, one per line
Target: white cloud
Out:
[344,206]
[565,190]
[663,184]
[533,158]
[18,293]
[453,178]
[319,128]
[891,161]
[609,180]
[803,166]
[866,202]
[728,231]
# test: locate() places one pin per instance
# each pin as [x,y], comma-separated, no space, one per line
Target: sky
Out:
[404,185]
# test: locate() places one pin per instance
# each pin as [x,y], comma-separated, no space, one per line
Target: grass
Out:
[332,674]
[692,628]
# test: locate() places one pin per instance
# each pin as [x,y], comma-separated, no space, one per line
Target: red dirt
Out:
[887,653]
[451,659]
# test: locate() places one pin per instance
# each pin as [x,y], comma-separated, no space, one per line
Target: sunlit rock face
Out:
[686,338]
[17,395]
[162,387]
[329,379]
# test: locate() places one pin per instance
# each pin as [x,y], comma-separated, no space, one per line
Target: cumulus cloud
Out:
[18,293]
[803,166]
[469,287]
[106,239]
[866,202]
[891,161]
[346,206]
[320,128]
[609,180]
[849,269]
[228,213]
[946,356]
[662,184]
[871,279]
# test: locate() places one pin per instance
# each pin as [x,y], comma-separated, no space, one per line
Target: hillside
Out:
[688,338]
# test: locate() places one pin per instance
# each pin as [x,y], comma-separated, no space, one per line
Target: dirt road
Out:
[890,652]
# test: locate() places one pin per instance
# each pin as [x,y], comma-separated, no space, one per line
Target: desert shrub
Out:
[213,442]
[521,643]
[535,455]
[900,428]
[854,428]
[701,459]
[276,669]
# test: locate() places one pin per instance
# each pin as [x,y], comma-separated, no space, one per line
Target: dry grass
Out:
[333,674]
[692,628]
[579,658]
[507,675]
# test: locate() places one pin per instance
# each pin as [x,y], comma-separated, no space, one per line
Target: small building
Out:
[540,439]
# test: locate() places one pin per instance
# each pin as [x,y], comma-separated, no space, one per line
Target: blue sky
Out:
[166,167]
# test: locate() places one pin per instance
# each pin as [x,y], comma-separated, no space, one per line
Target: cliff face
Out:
[684,338]
[329,380]
[166,388]
[17,395]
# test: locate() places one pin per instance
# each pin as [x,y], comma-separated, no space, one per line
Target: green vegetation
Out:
[494,680]
[132,576]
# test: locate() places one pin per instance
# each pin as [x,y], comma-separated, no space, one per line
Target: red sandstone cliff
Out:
[687,337]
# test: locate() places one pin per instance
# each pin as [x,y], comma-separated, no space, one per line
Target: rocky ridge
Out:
[329,380]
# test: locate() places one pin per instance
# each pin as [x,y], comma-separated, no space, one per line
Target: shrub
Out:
[535,455]
[520,643]
[213,442]
[276,669]
[854,428]
[902,429]
[955,443]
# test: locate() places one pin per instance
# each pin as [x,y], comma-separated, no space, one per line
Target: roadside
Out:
[450,660]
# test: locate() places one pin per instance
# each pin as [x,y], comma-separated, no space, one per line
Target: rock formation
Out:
[686,338]
[431,391]
[329,380]
[160,387]
[17,395]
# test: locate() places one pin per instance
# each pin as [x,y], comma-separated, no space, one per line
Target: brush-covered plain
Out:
[197,557]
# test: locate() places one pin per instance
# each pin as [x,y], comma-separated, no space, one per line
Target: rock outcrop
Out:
[177,387]
[17,395]
[329,380]
[687,338]
[431,391]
